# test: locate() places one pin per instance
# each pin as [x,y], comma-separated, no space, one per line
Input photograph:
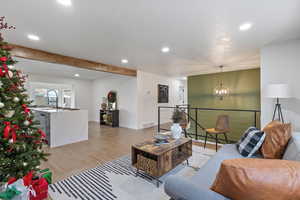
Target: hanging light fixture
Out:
[220,90]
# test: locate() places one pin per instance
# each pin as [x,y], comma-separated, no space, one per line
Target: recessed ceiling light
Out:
[124,61]
[65,2]
[245,26]
[33,37]
[225,39]
[165,49]
[76,75]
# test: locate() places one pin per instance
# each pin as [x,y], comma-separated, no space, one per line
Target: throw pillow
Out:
[251,141]
[258,179]
[277,138]
[292,151]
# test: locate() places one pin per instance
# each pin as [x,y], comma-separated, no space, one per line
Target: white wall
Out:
[82,88]
[280,63]
[147,98]
[126,88]
[137,96]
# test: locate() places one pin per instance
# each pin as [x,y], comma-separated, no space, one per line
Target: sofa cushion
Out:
[199,184]
[250,142]
[258,179]
[277,138]
[292,151]
[207,174]
[180,188]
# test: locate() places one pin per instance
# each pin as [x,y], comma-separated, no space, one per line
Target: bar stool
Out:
[222,127]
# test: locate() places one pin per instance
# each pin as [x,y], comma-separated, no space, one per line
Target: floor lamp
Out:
[278,91]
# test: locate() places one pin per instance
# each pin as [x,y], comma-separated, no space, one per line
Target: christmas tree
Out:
[21,140]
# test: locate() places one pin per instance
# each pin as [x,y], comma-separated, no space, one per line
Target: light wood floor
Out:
[104,144]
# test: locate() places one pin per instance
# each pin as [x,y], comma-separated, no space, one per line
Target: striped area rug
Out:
[116,180]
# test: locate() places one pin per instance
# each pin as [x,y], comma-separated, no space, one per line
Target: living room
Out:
[149,100]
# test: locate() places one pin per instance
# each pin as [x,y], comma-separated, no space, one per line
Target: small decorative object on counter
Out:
[103,106]
[176,129]
[161,139]
[104,103]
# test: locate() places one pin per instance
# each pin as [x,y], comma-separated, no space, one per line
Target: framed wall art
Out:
[163,93]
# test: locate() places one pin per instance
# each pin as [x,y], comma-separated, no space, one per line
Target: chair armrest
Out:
[179,188]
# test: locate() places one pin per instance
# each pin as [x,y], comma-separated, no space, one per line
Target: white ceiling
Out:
[56,70]
[107,31]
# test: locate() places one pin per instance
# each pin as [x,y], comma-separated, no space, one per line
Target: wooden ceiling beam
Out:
[36,54]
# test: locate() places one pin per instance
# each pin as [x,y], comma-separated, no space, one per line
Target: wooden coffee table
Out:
[158,160]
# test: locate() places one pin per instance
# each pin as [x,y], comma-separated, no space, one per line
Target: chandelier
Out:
[220,90]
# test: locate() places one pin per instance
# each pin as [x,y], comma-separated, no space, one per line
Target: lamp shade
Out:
[278,91]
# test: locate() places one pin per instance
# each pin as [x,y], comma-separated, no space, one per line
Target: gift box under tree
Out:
[40,186]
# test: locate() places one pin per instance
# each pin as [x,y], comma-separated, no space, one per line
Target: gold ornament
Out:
[16,99]
[26,123]
[10,74]
[9,113]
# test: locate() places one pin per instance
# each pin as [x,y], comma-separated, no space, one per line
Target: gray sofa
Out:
[197,186]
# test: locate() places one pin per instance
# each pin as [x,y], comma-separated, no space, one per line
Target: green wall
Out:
[244,87]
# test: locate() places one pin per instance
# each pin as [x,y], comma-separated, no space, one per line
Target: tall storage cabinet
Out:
[109,118]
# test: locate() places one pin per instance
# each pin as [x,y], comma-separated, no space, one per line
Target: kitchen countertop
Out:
[53,110]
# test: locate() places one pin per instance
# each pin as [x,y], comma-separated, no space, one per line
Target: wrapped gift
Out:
[19,184]
[40,187]
[9,193]
[16,191]
[47,174]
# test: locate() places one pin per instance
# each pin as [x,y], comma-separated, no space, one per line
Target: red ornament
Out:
[6,130]
[3,59]
[42,133]
[25,108]
[10,131]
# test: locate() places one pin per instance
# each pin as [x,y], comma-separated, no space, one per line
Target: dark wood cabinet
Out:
[109,118]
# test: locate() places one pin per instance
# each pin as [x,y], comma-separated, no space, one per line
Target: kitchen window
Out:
[52,95]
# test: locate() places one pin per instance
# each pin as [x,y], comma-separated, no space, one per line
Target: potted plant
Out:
[176,129]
